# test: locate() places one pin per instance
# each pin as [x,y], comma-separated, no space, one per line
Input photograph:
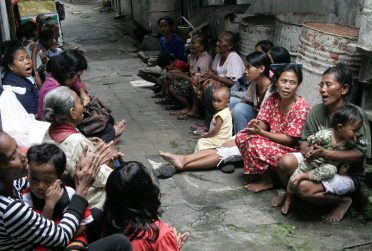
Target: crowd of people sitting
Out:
[74,191]
[254,116]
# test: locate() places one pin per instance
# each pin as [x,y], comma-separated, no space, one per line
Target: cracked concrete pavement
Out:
[213,206]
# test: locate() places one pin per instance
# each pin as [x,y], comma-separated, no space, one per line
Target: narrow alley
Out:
[214,207]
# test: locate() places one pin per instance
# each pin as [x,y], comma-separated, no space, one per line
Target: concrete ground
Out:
[213,206]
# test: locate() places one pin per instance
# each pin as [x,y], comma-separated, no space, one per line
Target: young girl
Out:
[221,125]
[43,191]
[132,207]
[343,136]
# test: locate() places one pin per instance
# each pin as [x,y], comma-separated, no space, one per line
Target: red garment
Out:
[60,132]
[167,240]
[182,66]
[257,151]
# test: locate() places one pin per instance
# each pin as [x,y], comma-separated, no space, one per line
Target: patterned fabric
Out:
[320,169]
[222,136]
[258,152]
[182,87]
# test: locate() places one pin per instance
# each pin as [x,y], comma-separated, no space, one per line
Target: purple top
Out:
[49,84]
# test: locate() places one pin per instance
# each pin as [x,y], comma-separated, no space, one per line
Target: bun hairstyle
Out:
[8,49]
[57,104]
[265,45]
[280,55]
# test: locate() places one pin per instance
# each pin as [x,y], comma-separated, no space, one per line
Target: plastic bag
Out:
[18,123]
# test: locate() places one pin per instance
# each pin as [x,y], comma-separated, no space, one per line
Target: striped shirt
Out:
[21,227]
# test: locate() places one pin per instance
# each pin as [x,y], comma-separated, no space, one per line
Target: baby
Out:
[221,125]
[342,136]
[43,191]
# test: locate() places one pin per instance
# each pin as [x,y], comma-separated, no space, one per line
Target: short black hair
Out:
[8,50]
[66,65]
[169,20]
[349,114]
[48,153]
[26,30]
[265,45]
[280,55]
[165,59]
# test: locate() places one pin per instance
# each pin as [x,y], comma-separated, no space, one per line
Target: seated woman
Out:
[17,66]
[169,43]
[275,131]
[64,109]
[260,88]
[132,208]
[181,83]
[65,70]
[22,228]
[229,152]
[334,88]
[227,67]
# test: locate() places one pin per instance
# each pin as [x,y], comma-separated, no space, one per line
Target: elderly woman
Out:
[18,69]
[64,109]
[227,67]
[275,131]
[65,70]
[334,87]
[23,228]
[181,83]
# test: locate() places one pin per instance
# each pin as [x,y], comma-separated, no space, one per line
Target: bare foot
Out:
[172,158]
[339,211]
[278,201]
[260,185]
[287,204]
[120,127]
[180,112]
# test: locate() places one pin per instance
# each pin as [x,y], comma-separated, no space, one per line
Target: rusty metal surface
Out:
[288,27]
[319,50]
[253,29]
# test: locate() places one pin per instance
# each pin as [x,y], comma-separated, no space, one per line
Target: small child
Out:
[342,136]
[43,191]
[169,63]
[221,125]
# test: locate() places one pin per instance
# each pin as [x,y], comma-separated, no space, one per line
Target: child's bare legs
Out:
[205,159]
[314,193]
[262,183]
[287,165]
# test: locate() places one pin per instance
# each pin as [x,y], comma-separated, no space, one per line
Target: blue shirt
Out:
[30,98]
[175,46]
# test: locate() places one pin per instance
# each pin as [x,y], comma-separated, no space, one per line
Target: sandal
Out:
[166,171]
[199,132]
[177,113]
[186,116]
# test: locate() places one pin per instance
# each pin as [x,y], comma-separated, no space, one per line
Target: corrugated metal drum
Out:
[288,26]
[253,29]
[323,45]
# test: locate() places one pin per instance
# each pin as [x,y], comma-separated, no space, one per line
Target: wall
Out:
[347,10]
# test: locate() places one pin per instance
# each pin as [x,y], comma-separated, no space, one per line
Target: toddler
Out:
[43,191]
[221,125]
[342,136]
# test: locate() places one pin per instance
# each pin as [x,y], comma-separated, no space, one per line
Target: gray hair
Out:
[57,104]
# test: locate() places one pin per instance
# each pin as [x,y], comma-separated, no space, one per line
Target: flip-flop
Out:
[186,116]
[195,127]
[177,113]
[199,132]
[166,171]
